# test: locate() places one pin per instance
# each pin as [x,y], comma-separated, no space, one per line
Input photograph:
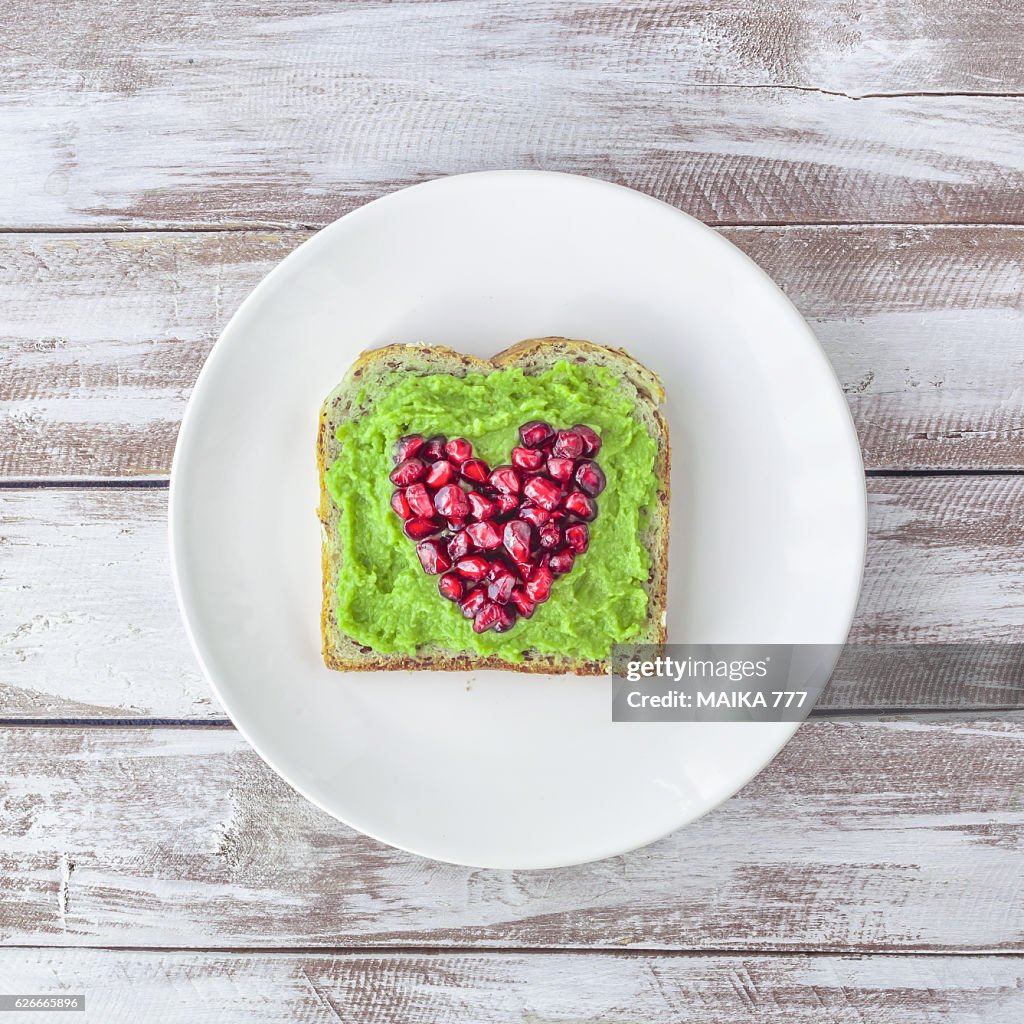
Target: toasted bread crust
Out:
[393,357]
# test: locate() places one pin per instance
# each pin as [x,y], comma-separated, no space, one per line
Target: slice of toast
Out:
[342,652]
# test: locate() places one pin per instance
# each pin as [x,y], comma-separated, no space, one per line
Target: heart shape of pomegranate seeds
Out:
[498,537]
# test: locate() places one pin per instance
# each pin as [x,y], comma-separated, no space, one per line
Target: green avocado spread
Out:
[387,602]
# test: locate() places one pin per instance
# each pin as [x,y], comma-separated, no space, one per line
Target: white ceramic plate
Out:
[500,769]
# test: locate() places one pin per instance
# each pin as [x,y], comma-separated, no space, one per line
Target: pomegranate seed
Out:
[451,502]
[473,602]
[420,500]
[536,433]
[417,529]
[451,586]
[506,620]
[590,478]
[559,469]
[577,537]
[434,448]
[505,479]
[517,538]
[527,458]
[473,567]
[400,504]
[408,446]
[507,503]
[534,516]
[580,505]
[440,473]
[486,617]
[503,581]
[538,587]
[561,561]
[523,604]
[568,444]
[475,470]
[460,545]
[433,557]
[458,449]
[481,507]
[484,535]
[591,438]
[408,472]
[550,535]
[543,492]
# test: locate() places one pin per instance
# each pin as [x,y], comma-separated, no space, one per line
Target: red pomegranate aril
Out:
[420,500]
[486,617]
[451,586]
[400,504]
[568,445]
[484,535]
[529,459]
[408,472]
[460,544]
[433,557]
[434,448]
[475,470]
[523,604]
[591,438]
[559,469]
[577,537]
[518,539]
[473,567]
[473,602]
[580,505]
[536,433]
[458,449]
[590,478]
[506,619]
[505,479]
[440,473]
[451,502]
[507,503]
[538,586]
[534,516]
[481,507]
[550,535]
[561,561]
[408,446]
[502,583]
[543,492]
[417,529]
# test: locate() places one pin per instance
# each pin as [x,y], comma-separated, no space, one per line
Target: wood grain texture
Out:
[862,836]
[89,627]
[234,113]
[102,337]
[485,988]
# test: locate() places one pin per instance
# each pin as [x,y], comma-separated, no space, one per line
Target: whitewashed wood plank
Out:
[862,836]
[242,114]
[89,627]
[88,622]
[102,336]
[480,988]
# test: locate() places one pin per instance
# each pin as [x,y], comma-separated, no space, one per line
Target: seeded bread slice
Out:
[535,356]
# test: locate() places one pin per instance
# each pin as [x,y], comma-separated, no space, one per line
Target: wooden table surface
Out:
[156,160]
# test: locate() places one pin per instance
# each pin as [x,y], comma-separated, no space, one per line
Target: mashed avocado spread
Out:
[388,603]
